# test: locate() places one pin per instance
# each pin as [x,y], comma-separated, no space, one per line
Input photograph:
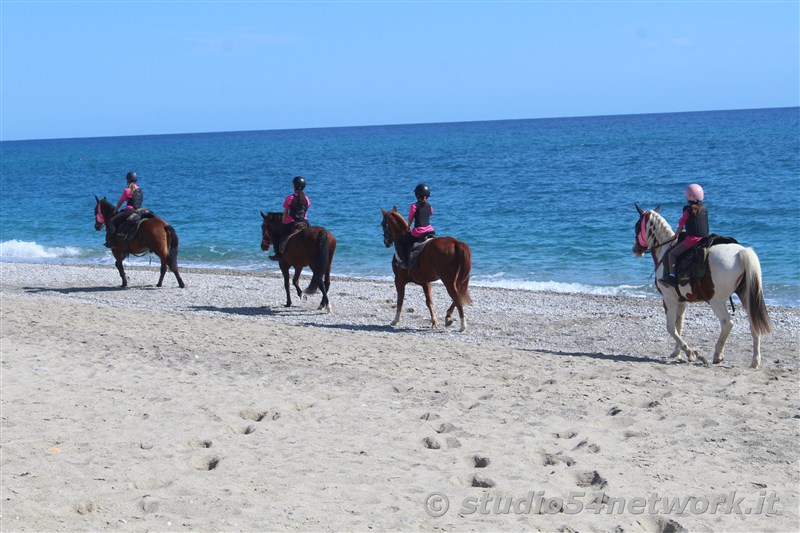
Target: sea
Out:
[545,204]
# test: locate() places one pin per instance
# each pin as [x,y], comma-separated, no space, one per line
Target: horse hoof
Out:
[393,323]
[448,322]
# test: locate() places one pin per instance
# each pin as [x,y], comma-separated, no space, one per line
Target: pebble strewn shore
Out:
[610,325]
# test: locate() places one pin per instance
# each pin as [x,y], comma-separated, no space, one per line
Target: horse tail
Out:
[463,269]
[172,241]
[319,265]
[751,293]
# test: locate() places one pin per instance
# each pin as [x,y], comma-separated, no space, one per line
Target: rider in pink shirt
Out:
[132,202]
[419,217]
[295,209]
[694,221]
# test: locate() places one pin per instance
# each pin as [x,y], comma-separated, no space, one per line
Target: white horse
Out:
[731,268]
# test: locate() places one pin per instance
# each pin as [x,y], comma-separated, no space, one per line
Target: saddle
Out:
[130,226]
[693,264]
[296,228]
[416,249]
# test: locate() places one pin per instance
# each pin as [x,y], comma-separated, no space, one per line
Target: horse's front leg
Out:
[426,287]
[296,283]
[401,292]
[672,328]
[118,263]
[680,312]
[285,271]
[720,308]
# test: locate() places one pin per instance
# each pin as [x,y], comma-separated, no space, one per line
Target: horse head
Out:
[650,231]
[270,222]
[394,226]
[103,211]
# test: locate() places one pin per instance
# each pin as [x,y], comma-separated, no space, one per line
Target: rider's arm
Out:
[125,195]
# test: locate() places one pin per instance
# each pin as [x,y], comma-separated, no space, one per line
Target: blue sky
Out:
[86,69]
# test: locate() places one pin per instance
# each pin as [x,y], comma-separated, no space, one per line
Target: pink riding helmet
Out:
[694,193]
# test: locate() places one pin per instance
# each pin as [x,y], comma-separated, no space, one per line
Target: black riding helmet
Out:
[132,177]
[422,191]
[299,182]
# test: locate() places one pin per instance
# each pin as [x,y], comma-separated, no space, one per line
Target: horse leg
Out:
[452,290]
[118,263]
[681,311]
[429,302]
[296,282]
[720,308]
[672,322]
[326,285]
[163,271]
[401,292]
[285,271]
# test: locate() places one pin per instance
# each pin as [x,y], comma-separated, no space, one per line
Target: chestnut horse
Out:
[314,246]
[154,235]
[731,268]
[444,258]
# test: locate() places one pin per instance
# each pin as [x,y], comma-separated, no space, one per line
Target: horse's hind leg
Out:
[429,302]
[163,271]
[326,285]
[720,308]
[296,282]
[453,292]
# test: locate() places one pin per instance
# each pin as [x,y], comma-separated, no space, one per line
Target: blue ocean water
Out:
[544,204]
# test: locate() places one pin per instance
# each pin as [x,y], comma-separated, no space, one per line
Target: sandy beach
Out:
[215,408]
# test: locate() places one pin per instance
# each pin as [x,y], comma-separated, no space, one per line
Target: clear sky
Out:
[94,68]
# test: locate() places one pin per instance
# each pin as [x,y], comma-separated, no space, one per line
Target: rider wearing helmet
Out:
[132,196]
[695,221]
[295,207]
[419,219]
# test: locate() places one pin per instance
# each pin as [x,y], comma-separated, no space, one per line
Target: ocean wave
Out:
[15,249]
[563,287]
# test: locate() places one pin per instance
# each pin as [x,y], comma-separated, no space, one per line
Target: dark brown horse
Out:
[314,247]
[442,258]
[154,235]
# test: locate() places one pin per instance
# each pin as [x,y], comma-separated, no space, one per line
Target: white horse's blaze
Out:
[730,266]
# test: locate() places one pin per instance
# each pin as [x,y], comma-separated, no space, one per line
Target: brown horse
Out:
[314,246]
[154,235]
[444,258]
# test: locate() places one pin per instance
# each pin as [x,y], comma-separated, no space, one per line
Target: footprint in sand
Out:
[591,479]
[592,448]
[480,482]
[552,459]
[200,443]
[431,443]
[478,461]
[258,416]
[205,463]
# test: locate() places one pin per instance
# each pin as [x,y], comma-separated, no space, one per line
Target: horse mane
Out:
[397,214]
[658,227]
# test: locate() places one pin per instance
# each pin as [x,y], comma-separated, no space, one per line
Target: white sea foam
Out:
[15,249]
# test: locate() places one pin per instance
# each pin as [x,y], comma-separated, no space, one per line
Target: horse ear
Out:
[383,212]
[263,215]
[394,208]
[657,209]
[639,209]
[96,199]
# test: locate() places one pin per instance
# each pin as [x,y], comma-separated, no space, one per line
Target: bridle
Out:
[641,237]
[387,232]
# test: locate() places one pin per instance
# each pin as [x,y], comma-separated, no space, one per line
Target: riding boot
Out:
[669,279]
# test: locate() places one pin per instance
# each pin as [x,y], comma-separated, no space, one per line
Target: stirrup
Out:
[670,280]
